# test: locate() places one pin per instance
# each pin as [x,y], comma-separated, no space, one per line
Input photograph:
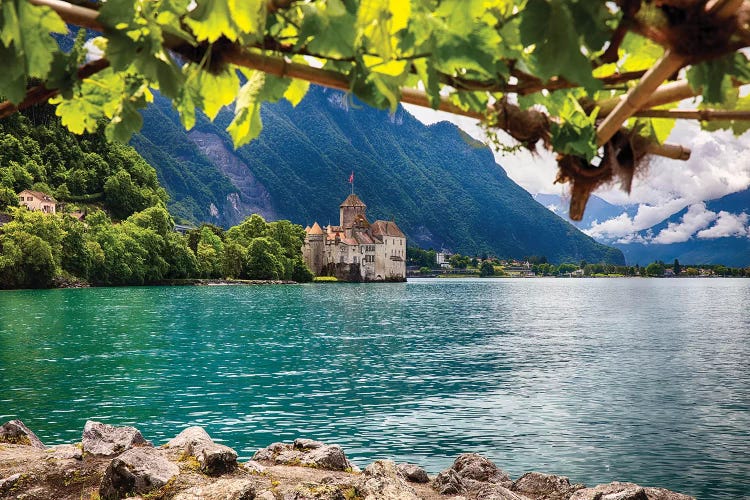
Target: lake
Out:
[644,380]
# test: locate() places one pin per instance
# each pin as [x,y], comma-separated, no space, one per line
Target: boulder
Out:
[413,473]
[546,486]
[314,491]
[65,452]
[15,432]
[470,472]
[220,489]
[265,495]
[215,459]
[270,452]
[477,468]
[626,491]
[448,482]
[381,480]
[108,440]
[190,436]
[305,452]
[492,491]
[136,471]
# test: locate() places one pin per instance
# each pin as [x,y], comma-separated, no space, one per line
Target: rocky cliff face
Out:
[251,197]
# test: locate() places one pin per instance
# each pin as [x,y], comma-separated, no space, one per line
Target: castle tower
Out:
[349,209]
[316,239]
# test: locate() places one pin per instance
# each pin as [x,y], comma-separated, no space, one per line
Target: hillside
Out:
[444,189]
[37,152]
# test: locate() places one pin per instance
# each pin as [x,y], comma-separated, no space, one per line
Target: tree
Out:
[123,195]
[566,268]
[210,254]
[655,269]
[676,267]
[262,259]
[459,261]
[8,198]
[487,269]
[492,60]
[26,261]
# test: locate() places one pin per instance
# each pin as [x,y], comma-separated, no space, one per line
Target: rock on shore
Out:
[118,462]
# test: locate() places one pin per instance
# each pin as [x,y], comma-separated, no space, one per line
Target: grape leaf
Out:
[549,27]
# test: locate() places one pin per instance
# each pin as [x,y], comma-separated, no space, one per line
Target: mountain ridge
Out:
[443,188]
[702,240]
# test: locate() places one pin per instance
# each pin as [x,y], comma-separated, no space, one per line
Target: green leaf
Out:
[656,129]
[217,90]
[430,80]
[296,91]
[211,20]
[576,135]
[639,53]
[249,15]
[247,124]
[26,45]
[712,78]
[324,34]
[550,28]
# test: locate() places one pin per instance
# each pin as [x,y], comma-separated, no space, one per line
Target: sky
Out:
[719,165]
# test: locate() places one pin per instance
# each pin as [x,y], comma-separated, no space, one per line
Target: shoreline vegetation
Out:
[110,463]
[431,264]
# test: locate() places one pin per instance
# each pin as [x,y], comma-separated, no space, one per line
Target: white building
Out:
[36,200]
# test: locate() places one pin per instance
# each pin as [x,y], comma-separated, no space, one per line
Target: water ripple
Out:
[641,380]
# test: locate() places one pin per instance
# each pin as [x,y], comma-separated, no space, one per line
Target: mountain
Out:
[712,232]
[597,210]
[443,188]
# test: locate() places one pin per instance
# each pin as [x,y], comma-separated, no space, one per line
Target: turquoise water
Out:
[644,380]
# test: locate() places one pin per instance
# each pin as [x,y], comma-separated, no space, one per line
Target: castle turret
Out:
[351,207]
[314,256]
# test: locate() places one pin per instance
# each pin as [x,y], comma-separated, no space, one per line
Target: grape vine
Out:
[597,82]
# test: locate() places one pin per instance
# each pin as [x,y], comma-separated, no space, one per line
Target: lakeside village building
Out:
[356,250]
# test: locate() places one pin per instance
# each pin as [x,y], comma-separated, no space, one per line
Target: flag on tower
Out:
[351,178]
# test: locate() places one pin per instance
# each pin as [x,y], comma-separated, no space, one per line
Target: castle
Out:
[356,250]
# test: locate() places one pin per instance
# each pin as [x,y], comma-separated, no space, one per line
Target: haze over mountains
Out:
[443,188]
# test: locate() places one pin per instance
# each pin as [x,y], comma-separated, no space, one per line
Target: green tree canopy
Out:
[582,78]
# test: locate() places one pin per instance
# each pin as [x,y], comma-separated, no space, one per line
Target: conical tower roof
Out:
[352,201]
[315,229]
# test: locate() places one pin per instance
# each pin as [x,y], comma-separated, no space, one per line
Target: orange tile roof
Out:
[39,194]
[386,228]
[352,201]
[315,229]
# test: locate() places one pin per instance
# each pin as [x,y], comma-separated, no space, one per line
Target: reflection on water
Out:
[632,379]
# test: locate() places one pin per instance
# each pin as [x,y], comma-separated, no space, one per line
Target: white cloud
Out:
[727,225]
[696,218]
[646,216]
[718,166]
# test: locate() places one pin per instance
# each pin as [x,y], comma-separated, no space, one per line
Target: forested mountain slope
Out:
[442,188]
